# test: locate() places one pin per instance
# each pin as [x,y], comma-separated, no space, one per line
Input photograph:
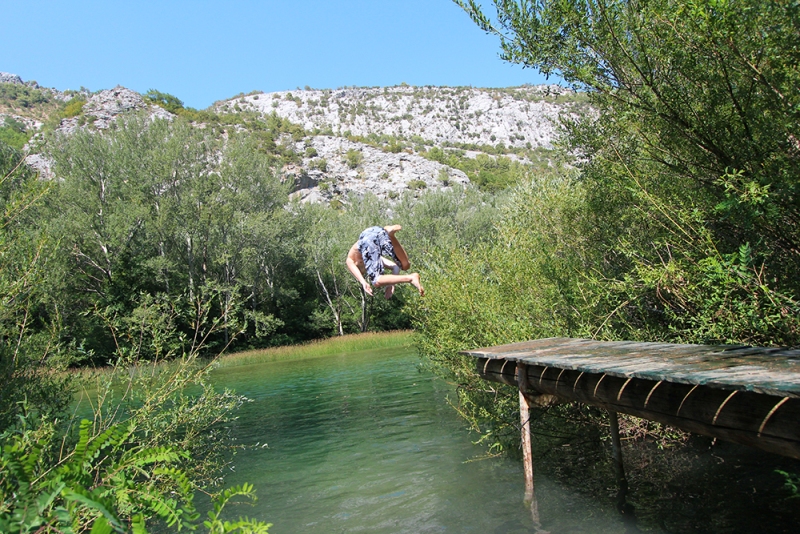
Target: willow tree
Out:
[30,348]
[692,160]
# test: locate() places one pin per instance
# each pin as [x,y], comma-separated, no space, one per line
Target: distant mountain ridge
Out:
[365,140]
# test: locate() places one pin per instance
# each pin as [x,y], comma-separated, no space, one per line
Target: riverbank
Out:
[399,339]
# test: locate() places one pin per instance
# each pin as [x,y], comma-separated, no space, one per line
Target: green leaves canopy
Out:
[704,91]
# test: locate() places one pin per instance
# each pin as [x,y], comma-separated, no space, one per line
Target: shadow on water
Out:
[367,443]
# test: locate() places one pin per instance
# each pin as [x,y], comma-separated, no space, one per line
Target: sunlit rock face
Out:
[384,174]
[526,116]
[103,108]
[521,117]
[333,163]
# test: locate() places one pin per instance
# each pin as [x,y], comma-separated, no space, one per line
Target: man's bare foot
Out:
[388,292]
[392,229]
[415,283]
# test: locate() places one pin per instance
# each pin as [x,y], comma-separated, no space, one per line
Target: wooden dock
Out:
[748,395]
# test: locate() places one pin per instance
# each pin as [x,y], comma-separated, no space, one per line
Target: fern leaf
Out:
[101,526]
[167,509]
[96,503]
[137,525]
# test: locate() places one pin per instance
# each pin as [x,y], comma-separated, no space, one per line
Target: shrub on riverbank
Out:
[681,223]
[156,434]
[319,349]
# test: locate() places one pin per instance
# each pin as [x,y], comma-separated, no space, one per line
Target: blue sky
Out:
[207,50]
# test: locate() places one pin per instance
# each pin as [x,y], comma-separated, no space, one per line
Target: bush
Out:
[73,108]
[165,100]
[13,133]
[353,158]
[319,164]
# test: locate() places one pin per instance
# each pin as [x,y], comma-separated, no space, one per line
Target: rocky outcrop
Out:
[526,116]
[520,117]
[104,107]
[40,164]
[64,96]
[29,123]
[340,169]
[7,77]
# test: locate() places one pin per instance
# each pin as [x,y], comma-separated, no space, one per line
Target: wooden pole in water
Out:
[527,452]
[619,468]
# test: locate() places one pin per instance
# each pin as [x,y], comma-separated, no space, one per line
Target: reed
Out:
[318,349]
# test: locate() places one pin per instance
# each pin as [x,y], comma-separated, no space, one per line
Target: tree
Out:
[165,100]
[154,207]
[31,352]
[681,223]
[692,161]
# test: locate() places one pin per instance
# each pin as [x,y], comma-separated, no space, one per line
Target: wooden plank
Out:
[764,421]
[770,371]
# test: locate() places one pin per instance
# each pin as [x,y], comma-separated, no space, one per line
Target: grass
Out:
[314,349]
[398,339]
[318,349]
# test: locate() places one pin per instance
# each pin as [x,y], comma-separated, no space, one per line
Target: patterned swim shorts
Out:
[373,243]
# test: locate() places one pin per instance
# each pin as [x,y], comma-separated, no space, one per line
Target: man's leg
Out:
[398,248]
[392,279]
[389,264]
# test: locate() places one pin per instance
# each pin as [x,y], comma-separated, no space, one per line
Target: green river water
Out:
[366,443]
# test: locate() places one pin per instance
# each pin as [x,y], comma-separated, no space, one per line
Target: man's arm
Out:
[355,271]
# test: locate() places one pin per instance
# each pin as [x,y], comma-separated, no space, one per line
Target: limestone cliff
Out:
[363,140]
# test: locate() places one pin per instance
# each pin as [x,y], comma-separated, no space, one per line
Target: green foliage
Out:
[491,173]
[164,208]
[322,348]
[353,158]
[319,164]
[394,146]
[157,434]
[13,133]
[74,107]
[681,224]
[415,185]
[699,98]
[165,100]
[109,482]
[31,351]
[103,481]
[216,525]
[22,96]
[791,483]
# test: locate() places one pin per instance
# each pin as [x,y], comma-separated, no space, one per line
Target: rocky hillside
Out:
[102,108]
[523,117]
[355,141]
[335,167]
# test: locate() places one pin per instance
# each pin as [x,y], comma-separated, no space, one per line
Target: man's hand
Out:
[367,288]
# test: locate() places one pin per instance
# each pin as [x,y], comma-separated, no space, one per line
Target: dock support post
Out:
[527,452]
[619,470]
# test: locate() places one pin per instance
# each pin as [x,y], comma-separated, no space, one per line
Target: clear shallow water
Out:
[367,443]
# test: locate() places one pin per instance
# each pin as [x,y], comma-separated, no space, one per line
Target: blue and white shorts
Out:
[373,243]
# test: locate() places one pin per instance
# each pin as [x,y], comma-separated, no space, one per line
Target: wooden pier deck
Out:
[748,395]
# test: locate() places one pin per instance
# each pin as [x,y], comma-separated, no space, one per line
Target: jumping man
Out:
[371,254]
